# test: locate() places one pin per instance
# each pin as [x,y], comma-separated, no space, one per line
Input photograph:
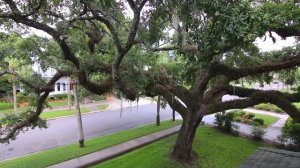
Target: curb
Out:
[117,150]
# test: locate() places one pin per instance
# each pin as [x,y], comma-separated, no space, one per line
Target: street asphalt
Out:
[63,131]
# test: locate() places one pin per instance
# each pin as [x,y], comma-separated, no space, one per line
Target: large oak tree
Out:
[213,42]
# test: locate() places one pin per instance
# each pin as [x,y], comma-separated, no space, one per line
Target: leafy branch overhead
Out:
[107,45]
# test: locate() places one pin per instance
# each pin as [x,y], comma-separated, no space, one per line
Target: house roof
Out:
[272,158]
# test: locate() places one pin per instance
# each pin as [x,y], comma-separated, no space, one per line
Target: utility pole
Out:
[158,111]
[79,119]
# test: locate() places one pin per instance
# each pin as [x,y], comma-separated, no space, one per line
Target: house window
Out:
[71,86]
[64,87]
[58,86]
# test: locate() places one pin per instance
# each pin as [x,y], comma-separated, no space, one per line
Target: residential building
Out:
[61,86]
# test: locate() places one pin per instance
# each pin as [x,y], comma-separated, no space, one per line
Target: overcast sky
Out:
[265,44]
[268,45]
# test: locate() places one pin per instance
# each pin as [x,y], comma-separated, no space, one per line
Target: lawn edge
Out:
[93,138]
[90,112]
[135,144]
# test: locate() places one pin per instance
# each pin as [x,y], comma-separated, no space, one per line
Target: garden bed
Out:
[253,118]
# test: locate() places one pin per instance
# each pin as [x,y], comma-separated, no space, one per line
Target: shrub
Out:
[258,132]
[238,120]
[225,123]
[231,115]
[5,105]
[251,115]
[291,131]
[283,139]
[21,97]
[259,121]
[60,96]
[241,113]
[219,120]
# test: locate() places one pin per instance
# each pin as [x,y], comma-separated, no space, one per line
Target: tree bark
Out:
[158,111]
[182,150]
[69,94]
[79,119]
[15,97]
[173,111]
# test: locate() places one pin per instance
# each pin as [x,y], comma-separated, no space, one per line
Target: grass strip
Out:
[61,113]
[60,154]
[102,107]
[215,149]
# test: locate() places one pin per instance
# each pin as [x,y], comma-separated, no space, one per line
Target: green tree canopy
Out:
[109,44]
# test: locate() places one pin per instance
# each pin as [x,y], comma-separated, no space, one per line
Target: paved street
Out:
[64,130]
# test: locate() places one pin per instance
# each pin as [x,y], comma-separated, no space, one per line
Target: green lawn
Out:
[60,113]
[103,107]
[215,149]
[268,119]
[60,154]
[58,103]
[21,109]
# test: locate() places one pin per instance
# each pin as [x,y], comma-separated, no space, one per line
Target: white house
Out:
[61,86]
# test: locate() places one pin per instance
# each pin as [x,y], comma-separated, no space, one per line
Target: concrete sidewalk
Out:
[116,150]
[111,152]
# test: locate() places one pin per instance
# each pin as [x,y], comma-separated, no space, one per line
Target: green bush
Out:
[259,121]
[241,113]
[60,96]
[291,131]
[225,123]
[250,115]
[219,121]
[231,115]
[5,105]
[21,97]
[258,132]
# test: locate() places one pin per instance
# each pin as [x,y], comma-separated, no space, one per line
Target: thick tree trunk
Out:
[182,151]
[15,97]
